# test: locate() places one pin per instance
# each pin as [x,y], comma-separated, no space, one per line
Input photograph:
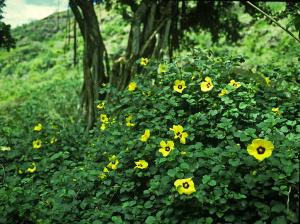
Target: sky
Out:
[18,12]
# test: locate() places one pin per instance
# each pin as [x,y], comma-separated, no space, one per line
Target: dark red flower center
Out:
[260,150]
[185,185]
[179,86]
[179,134]
[167,148]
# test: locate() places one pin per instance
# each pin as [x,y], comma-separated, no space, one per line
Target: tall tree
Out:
[6,40]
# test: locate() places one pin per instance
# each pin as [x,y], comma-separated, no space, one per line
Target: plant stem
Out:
[273,20]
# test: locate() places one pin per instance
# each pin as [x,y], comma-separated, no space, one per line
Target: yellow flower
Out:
[185,186]
[234,83]
[179,86]
[128,121]
[101,105]
[141,164]
[113,162]
[105,170]
[145,136]
[144,61]
[102,175]
[276,111]
[33,169]
[260,149]
[223,92]
[178,132]
[5,148]
[132,86]
[166,147]
[20,171]
[267,80]
[37,144]
[53,140]
[162,68]
[103,127]
[104,118]
[38,127]
[206,85]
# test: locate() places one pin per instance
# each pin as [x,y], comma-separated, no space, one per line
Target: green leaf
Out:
[117,219]
[172,172]
[150,220]
[284,129]
[184,166]
[279,220]
[242,105]
[148,204]
[212,183]
[205,179]
[278,208]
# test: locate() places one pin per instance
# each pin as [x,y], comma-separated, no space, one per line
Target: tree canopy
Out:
[6,39]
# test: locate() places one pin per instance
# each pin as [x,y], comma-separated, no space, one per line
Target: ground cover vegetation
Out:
[210,136]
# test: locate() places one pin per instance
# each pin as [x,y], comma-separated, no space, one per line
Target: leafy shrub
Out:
[118,174]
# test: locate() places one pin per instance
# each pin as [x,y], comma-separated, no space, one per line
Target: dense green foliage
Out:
[68,181]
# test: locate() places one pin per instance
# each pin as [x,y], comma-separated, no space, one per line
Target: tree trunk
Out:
[149,37]
[94,57]
[75,44]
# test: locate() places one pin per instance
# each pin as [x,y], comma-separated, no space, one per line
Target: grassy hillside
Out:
[42,64]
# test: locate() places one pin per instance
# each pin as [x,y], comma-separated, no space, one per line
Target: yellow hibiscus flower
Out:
[178,133]
[33,169]
[267,80]
[179,86]
[36,144]
[144,61]
[166,147]
[102,175]
[103,126]
[103,118]
[276,111]
[113,162]
[260,149]
[128,120]
[101,105]
[145,136]
[38,127]
[141,164]
[162,68]
[132,86]
[223,92]
[185,186]
[5,148]
[234,83]
[105,170]
[206,85]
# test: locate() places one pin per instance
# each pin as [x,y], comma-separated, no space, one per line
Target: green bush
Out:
[117,173]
